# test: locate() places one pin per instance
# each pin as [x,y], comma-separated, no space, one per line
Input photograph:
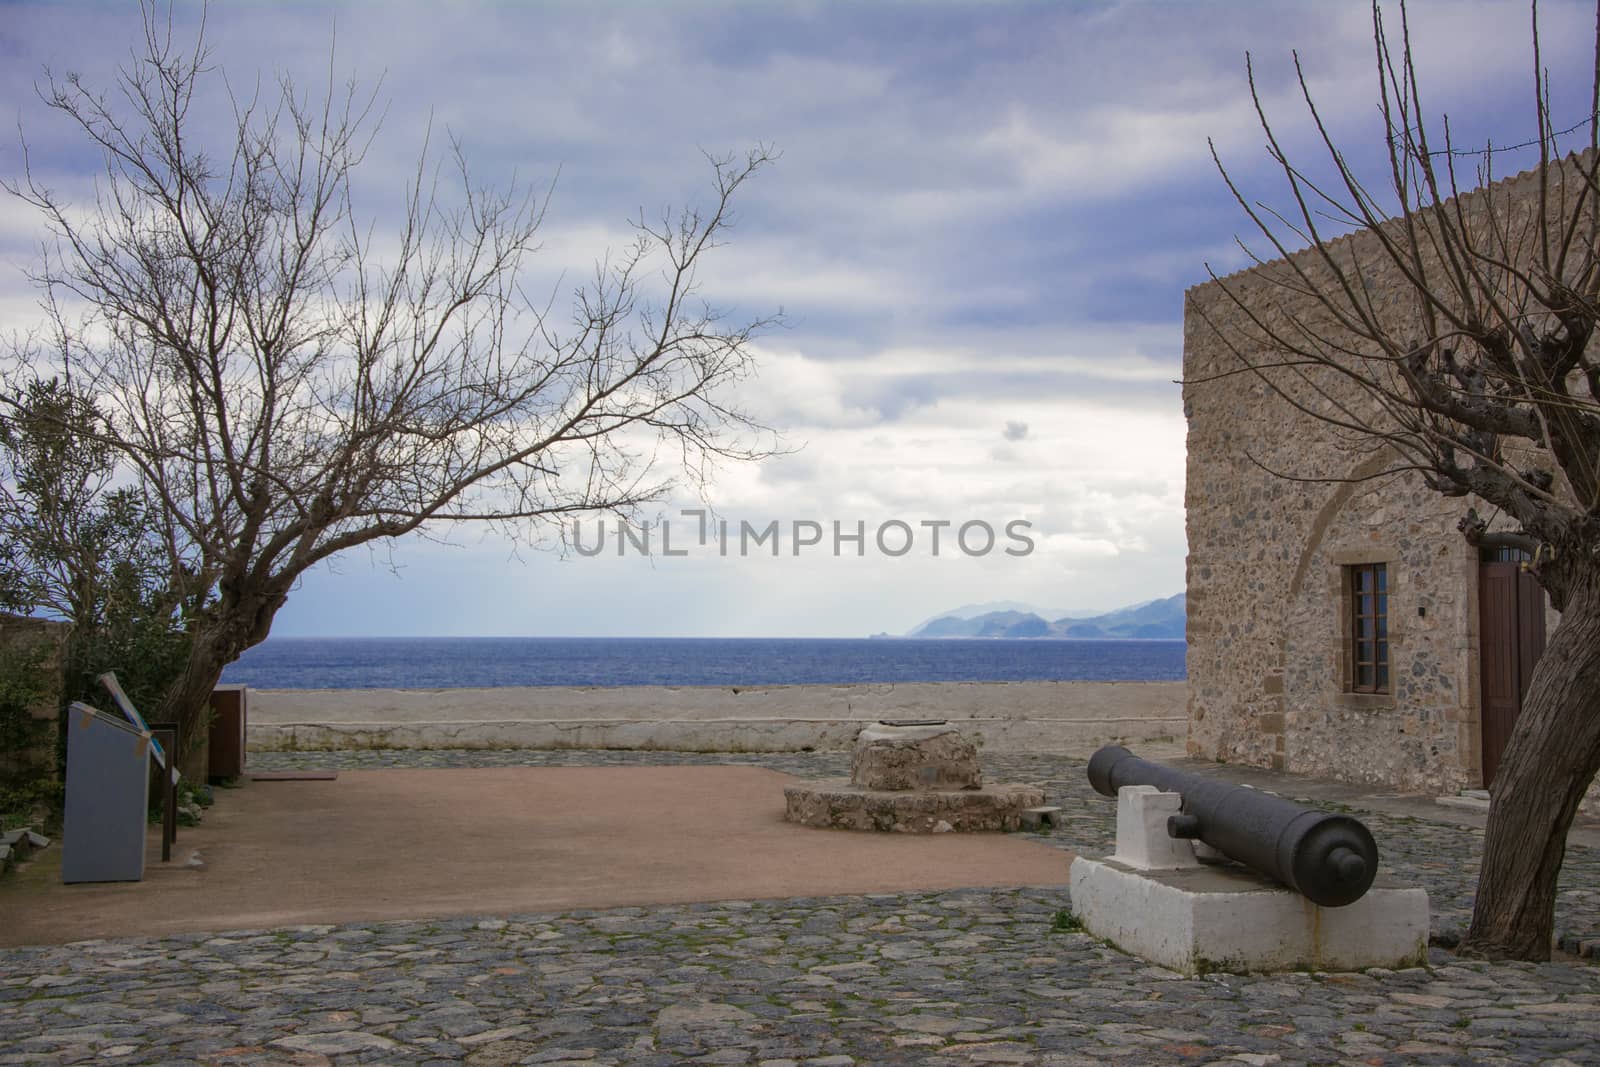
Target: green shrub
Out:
[29,788]
[1065,922]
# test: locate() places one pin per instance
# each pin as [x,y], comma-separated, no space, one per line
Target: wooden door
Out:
[1510,641]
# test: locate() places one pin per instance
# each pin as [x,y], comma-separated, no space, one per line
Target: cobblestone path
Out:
[970,977]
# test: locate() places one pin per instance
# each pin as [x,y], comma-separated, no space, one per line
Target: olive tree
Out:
[77,546]
[282,392]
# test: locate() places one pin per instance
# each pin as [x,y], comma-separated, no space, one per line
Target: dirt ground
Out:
[394,844]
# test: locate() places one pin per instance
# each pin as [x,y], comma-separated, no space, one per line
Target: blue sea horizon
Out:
[494,662]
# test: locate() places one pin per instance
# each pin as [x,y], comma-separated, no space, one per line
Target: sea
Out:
[473,662]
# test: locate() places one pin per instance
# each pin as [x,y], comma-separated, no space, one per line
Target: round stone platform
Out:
[839,805]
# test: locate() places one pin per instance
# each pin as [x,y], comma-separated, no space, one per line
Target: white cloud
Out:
[984,218]
[771,273]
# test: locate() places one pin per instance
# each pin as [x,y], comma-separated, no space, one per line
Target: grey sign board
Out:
[108,783]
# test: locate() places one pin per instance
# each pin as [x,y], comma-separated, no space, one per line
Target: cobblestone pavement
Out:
[970,977]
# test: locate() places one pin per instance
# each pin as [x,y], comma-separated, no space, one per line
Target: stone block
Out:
[21,844]
[1142,839]
[1203,919]
[929,758]
[841,805]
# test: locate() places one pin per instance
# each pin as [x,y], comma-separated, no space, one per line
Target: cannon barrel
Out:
[1330,859]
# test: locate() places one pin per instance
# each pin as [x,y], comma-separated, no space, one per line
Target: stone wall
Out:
[1268,614]
[1051,717]
[19,635]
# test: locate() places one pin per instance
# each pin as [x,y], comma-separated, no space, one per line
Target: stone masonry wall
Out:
[1268,615]
[22,634]
[1054,717]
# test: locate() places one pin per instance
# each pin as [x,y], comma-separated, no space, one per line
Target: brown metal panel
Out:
[1498,660]
[227,732]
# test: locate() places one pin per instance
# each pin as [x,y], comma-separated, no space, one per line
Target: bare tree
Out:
[1476,372]
[285,394]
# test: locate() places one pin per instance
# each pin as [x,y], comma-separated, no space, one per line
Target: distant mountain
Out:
[989,624]
[1153,620]
[972,611]
[949,626]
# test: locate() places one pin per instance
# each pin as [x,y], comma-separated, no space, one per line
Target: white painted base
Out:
[1204,919]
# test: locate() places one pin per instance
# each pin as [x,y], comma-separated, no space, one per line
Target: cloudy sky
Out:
[981,229]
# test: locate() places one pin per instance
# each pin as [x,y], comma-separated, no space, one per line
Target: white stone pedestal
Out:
[1196,920]
[1142,839]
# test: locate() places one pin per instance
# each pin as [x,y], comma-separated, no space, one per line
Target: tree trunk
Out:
[236,624]
[1549,762]
[188,702]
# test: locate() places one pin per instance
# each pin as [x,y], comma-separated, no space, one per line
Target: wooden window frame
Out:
[1370,663]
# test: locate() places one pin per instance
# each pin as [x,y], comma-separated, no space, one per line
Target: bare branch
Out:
[284,392]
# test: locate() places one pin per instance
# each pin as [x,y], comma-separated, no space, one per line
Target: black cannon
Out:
[1330,859]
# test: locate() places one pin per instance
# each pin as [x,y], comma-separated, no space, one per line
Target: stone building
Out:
[1338,628]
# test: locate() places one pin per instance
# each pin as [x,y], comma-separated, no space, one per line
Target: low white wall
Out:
[1050,717]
